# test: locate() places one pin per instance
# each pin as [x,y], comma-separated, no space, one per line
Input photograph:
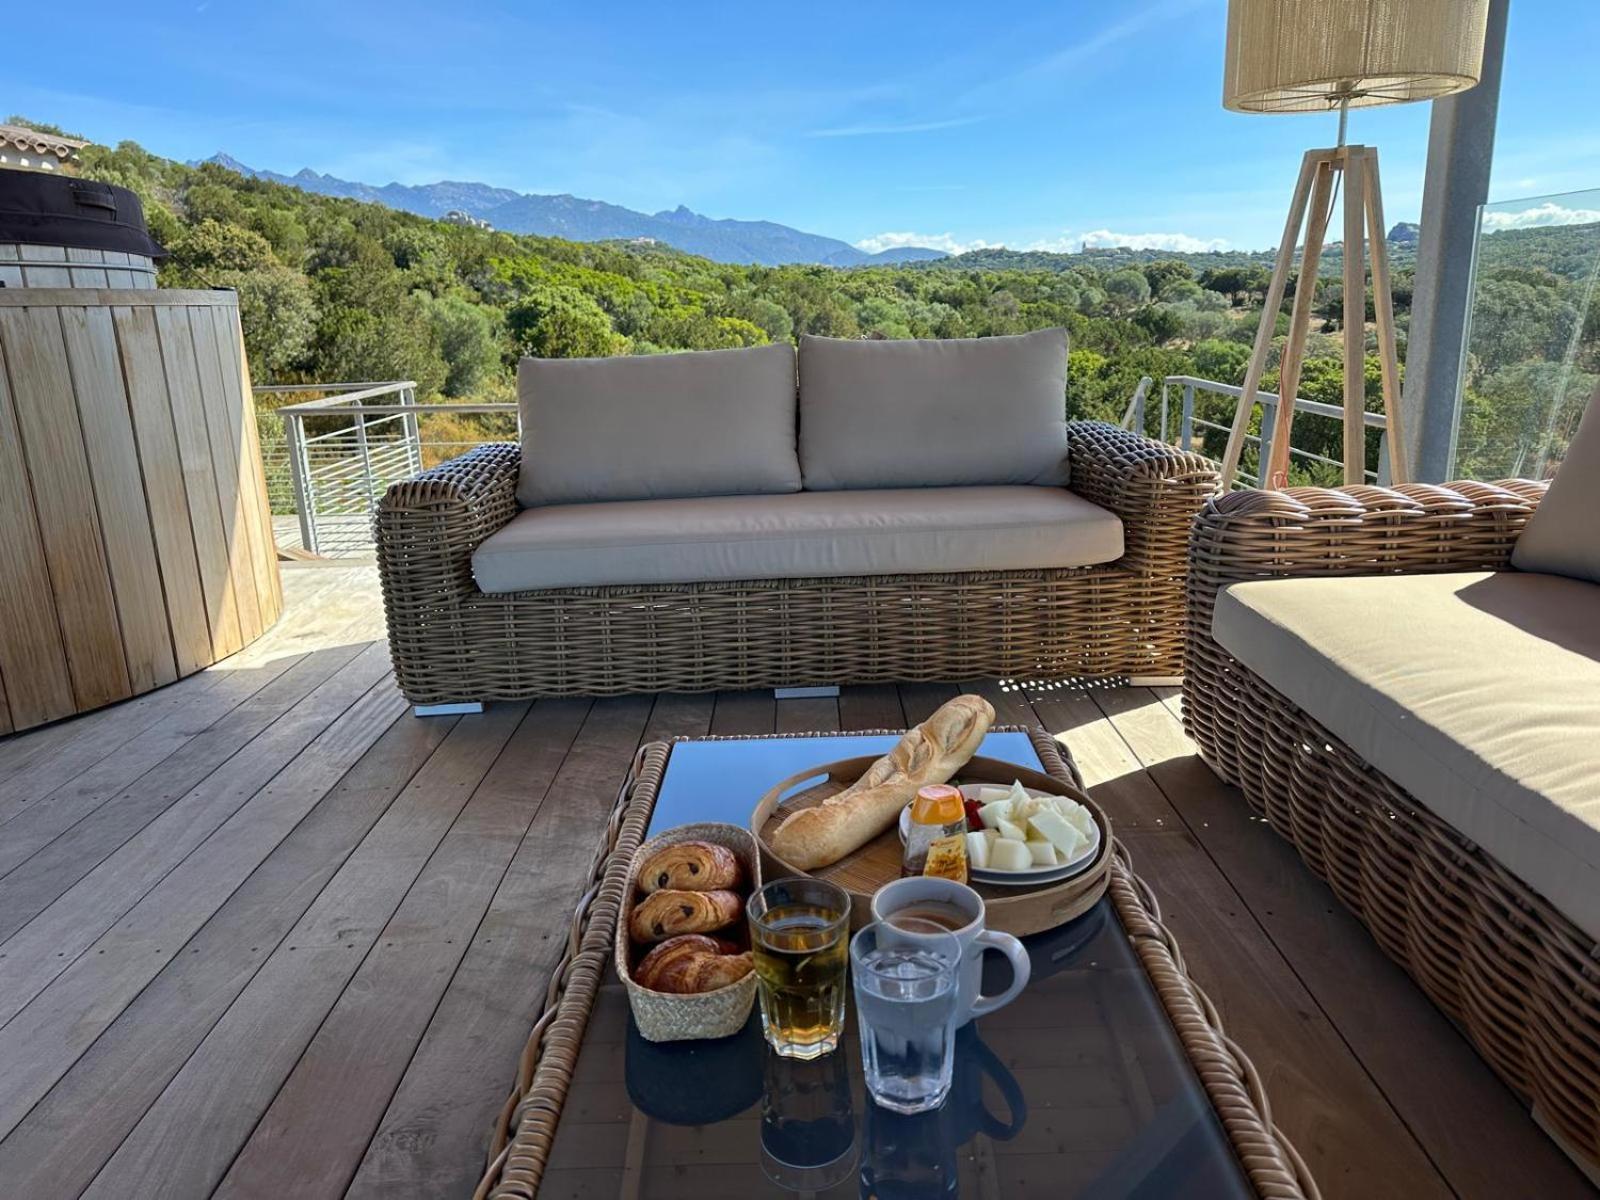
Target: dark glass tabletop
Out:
[1079,1087]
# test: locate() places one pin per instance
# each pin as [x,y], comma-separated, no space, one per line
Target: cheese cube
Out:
[1010,855]
[1044,854]
[992,814]
[978,850]
[1010,829]
[1060,832]
[1081,819]
[991,793]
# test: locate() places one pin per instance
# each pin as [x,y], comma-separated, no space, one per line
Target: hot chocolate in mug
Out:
[958,908]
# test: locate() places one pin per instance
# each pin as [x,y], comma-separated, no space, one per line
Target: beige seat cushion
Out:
[797,536]
[1563,537]
[706,423]
[1479,694]
[938,413]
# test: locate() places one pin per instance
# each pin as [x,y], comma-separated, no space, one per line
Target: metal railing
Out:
[344,449]
[1188,422]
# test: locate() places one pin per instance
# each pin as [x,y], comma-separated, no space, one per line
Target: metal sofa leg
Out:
[446,710]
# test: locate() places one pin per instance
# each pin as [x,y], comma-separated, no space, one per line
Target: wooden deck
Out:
[264,934]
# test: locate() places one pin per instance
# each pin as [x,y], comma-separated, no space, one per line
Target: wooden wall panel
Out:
[135,537]
[252,475]
[221,431]
[199,479]
[119,496]
[164,486]
[64,504]
[32,658]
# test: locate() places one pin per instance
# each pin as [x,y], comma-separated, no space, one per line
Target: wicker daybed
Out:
[1119,614]
[1470,874]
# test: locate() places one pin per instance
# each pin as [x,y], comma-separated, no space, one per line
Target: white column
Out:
[1460,153]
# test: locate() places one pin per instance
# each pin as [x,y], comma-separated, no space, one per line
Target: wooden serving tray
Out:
[1013,910]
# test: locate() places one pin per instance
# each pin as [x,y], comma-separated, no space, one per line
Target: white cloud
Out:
[1182,242]
[1067,243]
[870,130]
[880,242]
[1548,213]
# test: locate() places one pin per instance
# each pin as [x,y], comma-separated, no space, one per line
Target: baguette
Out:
[930,753]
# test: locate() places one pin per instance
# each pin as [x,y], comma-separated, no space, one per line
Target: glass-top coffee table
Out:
[1108,1076]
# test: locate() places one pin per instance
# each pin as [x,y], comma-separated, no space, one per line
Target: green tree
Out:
[1127,290]
[561,322]
[468,337]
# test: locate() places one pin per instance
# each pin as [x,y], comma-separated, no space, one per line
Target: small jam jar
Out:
[936,812]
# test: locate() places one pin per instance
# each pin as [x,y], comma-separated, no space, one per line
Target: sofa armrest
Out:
[428,526]
[1359,530]
[1154,488]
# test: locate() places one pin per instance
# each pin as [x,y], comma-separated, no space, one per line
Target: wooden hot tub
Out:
[135,537]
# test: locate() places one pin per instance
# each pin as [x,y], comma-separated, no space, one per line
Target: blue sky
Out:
[935,122]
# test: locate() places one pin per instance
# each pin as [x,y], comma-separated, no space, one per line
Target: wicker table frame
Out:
[525,1128]
[1517,977]
[452,643]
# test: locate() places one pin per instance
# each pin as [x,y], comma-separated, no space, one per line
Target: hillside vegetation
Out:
[333,289]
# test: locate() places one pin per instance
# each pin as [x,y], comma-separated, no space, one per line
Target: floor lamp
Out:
[1332,56]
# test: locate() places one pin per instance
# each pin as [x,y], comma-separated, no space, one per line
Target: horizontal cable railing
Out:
[338,452]
[1188,422]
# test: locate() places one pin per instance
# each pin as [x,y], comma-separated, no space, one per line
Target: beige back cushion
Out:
[1563,537]
[707,423]
[883,414]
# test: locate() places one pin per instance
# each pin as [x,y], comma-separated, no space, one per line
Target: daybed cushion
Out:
[1477,693]
[880,414]
[1563,535]
[797,536]
[708,423]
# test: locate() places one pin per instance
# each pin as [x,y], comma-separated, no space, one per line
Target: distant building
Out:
[29,150]
[456,217]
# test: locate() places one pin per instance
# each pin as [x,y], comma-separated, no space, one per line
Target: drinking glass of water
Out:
[907,1002]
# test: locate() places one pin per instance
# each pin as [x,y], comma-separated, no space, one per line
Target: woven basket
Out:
[663,1017]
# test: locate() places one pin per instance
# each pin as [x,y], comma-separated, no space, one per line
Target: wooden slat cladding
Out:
[63,495]
[133,516]
[119,496]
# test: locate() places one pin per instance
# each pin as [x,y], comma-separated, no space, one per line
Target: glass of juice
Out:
[908,995]
[799,932]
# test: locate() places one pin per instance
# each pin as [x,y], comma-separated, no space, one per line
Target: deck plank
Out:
[65,1140]
[744,713]
[354,1065]
[49,816]
[433,1139]
[163,997]
[1471,1125]
[186,1141]
[57,1024]
[871,706]
[921,700]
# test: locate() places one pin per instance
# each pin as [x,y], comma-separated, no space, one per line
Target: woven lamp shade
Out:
[1306,55]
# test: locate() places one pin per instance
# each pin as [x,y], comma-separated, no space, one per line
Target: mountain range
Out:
[580,220]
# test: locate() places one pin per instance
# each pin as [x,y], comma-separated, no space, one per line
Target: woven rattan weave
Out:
[453,643]
[525,1130]
[1517,977]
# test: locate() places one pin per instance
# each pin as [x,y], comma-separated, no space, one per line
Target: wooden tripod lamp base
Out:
[1312,210]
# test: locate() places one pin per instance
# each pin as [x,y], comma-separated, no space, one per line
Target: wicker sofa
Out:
[1421,719]
[454,642]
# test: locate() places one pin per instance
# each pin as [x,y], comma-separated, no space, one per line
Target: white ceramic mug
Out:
[974,938]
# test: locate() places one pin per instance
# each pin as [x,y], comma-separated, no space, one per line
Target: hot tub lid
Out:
[56,210]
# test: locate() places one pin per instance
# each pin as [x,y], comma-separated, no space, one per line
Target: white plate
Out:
[1031,878]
